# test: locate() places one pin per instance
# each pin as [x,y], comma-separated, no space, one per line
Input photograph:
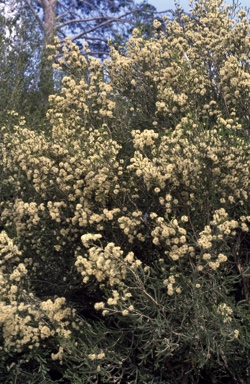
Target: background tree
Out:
[95,22]
[19,59]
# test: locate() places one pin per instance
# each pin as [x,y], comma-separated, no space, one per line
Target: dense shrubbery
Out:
[125,249]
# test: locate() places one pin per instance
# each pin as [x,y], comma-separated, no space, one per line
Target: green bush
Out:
[124,254]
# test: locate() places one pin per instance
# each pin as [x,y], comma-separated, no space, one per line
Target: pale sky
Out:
[163,5]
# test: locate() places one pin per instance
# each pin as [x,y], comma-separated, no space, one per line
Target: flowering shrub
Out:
[127,226]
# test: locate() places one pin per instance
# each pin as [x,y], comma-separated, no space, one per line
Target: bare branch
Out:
[99,53]
[96,38]
[62,15]
[79,21]
[90,5]
[35,13]
[111,19]
[90,30]
[67,10]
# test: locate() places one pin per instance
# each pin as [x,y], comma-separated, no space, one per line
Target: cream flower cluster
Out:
[9,252]
[25,320]
[171,285]
[225,311]
[26,323]
[107,264]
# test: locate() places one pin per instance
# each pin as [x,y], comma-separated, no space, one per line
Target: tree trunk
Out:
[46,83]
[49,10]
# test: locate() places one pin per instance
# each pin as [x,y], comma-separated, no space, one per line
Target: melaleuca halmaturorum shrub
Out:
[125,254]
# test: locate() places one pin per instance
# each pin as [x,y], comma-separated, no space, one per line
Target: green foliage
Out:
[20,45]
[125,249]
